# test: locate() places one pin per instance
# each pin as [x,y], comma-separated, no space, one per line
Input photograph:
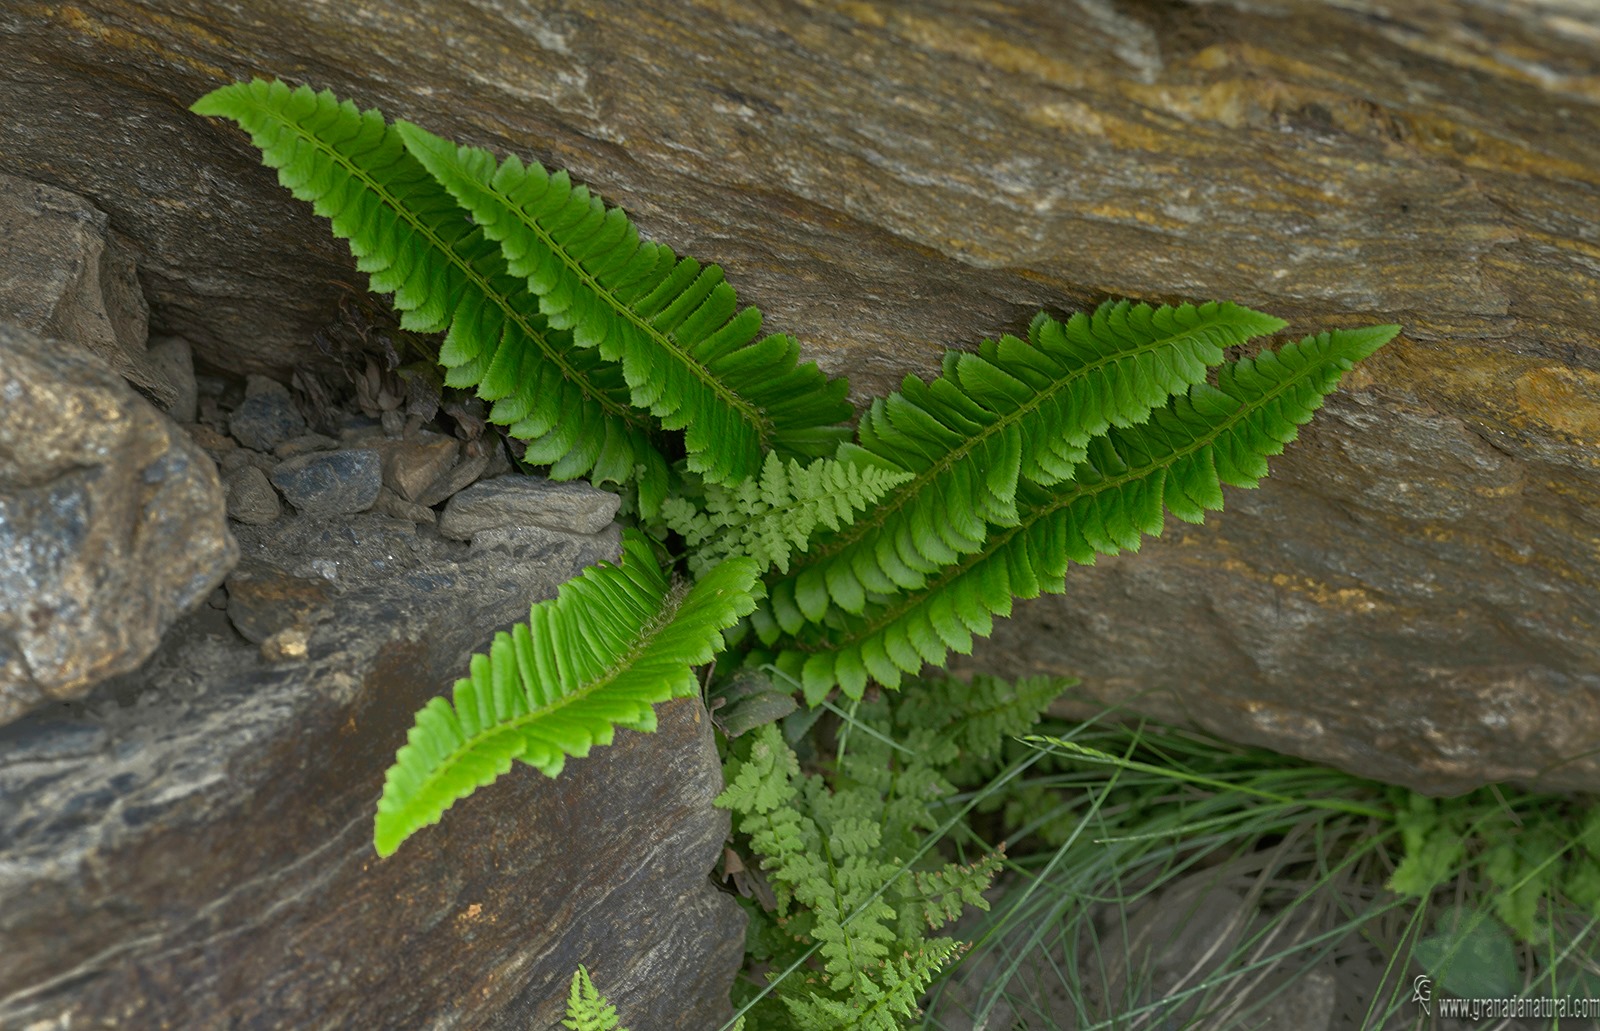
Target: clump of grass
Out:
[1179,882]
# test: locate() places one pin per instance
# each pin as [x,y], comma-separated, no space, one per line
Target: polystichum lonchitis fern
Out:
[888,551]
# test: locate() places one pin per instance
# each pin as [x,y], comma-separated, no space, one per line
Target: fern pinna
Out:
[613,642]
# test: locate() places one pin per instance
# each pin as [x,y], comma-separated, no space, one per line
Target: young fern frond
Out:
[407,232]
[614,642]
[888,1003]
[587,1009]
[776,514]
[689,354]
[1016,410]
[1176,461]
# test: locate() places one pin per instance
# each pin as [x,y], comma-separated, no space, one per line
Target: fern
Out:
[587,1009]
[406,231]
[774,515]
[613,642]
[1177,461]
[1016,410]
[688,353]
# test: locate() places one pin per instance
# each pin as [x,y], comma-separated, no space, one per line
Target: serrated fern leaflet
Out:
[410,236]
[614,642]
[1176,462]
[689,354]
[1015,411]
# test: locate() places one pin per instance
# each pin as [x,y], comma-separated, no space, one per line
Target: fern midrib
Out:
[647,635]
[625,412]
[1036,513]
[749,411]
[903,495]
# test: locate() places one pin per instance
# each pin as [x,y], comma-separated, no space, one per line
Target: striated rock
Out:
[112,523]
[304,445]
[173,359]
[268,416]
[884,180]
[191,847]
[251,498]
[64,273]
[528,501]
[330,482]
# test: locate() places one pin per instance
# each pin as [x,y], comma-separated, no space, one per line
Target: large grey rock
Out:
[330,482]
[884,180]
[64,273]
[112,523]
[191,847]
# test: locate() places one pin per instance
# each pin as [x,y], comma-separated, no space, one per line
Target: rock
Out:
[412,466]
[391,504]
[1433,166]
[463,475]
[330,482]
[263,600]
[213,442]
[512,501]
[267,417]
[243,457]
[64,273]
[174,360]
[112,523]
[192,846]
[251,498]
[304,445]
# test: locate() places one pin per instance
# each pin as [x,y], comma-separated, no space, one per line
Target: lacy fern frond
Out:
[886,1002]
[408,234]
[614,642]
[771,516]
[1177,461]
[1015,411]
[689,354]
[587,1009]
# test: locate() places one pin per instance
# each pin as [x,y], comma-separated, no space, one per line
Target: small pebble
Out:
[528,501]
[305,444]
[267,417]
[251,498]
[328,483]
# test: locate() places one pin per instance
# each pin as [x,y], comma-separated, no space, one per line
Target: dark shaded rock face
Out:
[111,523]
[1412,595]
[191,846]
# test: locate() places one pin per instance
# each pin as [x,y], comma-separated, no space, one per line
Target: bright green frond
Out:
[407,232]
[1015,411]
[1177,461]
[614,642]
[772,516]
[689,353]
[587,1009]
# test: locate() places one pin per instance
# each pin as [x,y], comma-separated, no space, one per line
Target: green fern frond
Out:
[614,642]
[885,1002]
[689,354]
[409,235]
[1015,411]
[587,1009]
[1177,461]
[771,516]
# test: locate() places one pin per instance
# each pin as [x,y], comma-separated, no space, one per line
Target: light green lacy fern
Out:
[587,1009]
[774,515]
[847,854]
[614,642]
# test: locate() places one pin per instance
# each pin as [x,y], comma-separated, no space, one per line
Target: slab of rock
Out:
[510,501]
[192,846]
[884,180]
[112,523]
[325,483]
[173,358]
[65,274]
[251,498]
[268,417]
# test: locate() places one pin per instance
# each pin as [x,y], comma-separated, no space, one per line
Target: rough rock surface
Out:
[67,274]
[112,523]
[191,846]
[330,482]
[1411,596]
[527,501]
